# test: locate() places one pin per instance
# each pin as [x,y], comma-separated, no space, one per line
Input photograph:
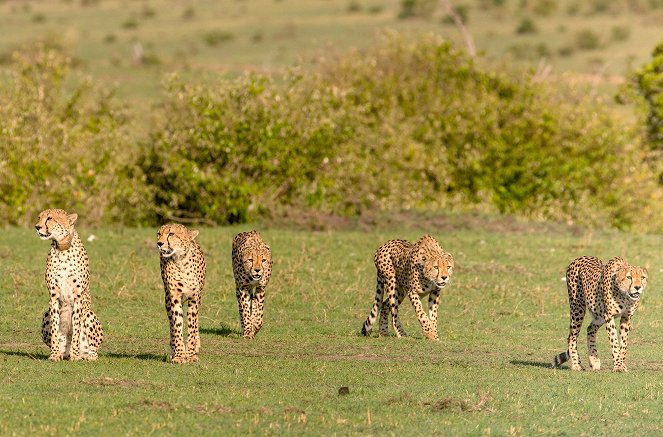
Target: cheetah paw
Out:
[55,357]
[193,358]
[179,359]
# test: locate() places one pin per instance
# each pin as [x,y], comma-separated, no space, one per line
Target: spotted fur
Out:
[69,327]
[183,274]
[412,269]
[607,291]
[252,268]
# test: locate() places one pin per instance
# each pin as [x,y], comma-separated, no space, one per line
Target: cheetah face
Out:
[55,224]
[438,269]
[255,263]
[174,239]
[632,280]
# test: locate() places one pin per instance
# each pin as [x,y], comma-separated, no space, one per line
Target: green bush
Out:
[58,148]
[587,40]
[526,26]
[405,125]
[649,83]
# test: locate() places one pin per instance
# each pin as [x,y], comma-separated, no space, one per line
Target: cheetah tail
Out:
[560,359]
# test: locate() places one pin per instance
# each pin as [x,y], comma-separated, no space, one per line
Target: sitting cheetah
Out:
[252,268]
[69,326]
[415,269]
[607,291]
[183,275]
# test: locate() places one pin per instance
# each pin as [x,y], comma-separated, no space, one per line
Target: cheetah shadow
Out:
[148,357]
[223,331]
[32,355]
[541,364]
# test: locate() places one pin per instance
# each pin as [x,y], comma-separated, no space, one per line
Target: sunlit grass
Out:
[502,319]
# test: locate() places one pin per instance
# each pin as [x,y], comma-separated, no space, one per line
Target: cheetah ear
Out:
[72,218]
[193,234]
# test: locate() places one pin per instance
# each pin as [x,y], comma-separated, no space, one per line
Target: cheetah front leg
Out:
[54,318]
[433,305]
[244,302]
[193,340]
[611,328]
[429,329]
[624,328]
[175,316]
[257,309]
[74,353]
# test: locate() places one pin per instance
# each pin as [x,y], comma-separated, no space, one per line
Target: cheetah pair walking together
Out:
[71,328]
[183,274]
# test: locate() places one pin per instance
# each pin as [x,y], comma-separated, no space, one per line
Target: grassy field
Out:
[204,38]
[503,318]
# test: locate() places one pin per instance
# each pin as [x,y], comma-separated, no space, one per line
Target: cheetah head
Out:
[55,224]
[631,280]
[174,239]
[435,264]
[256,261]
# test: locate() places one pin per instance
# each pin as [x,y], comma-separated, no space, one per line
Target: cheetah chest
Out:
[64,272]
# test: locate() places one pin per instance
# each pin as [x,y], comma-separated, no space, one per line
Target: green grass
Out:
[503,318]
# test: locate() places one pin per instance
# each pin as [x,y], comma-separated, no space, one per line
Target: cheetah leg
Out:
[257,309]
[397,319]
[615,348]
[592,329]
[193,340]
[377,307]
[74,352]
[54,317]
[577,316]
[433,305]
[92,335]
[46,328]
[624,328]
[426,325]
[392,301]
[175,316]
[244,301]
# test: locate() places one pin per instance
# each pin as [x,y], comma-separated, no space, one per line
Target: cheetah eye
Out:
[629,277]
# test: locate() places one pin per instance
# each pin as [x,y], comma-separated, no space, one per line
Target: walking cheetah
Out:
[415,269]
[183,275]
[607,291]
[69,326]
[252,268]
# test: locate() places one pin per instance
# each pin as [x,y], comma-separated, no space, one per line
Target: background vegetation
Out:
[408,123]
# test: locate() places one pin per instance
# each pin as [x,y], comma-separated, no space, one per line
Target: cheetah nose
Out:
[159,243]
[37,227]
[444,278]
[637,287]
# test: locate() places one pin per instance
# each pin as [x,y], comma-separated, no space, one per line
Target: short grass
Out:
[502,319]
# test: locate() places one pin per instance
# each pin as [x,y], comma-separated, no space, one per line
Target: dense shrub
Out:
[59,146]
[404,125]
[649,82]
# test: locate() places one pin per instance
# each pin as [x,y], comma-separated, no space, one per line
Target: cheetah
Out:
[415,269]
[252,268]
[608,291]
[69,326]
[183,274]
